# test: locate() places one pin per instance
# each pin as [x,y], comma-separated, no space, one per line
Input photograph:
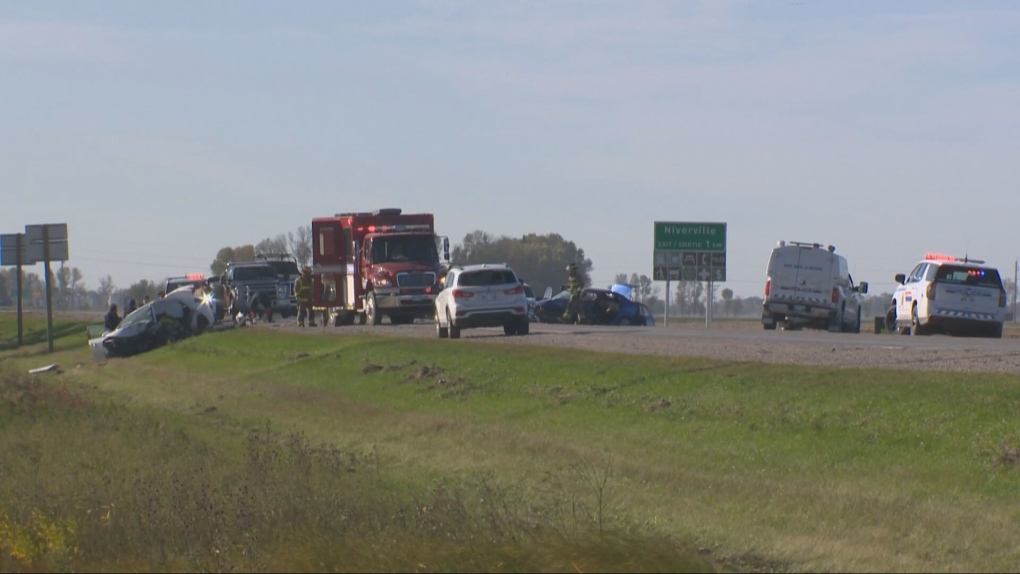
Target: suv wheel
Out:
[915,322]
[371,312]
[441,331]
[454,330]
[524,326]
[857,325]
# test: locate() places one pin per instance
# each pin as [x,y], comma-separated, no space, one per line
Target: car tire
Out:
[510,328]
[625,322]
[201,324]
[372,316]
[995,332]
[857,325]
[890,321]
[454,330]
[524,327]
[915,322]
[441,331]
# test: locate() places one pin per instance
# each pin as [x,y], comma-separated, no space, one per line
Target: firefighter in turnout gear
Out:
[303,292]
[575,284]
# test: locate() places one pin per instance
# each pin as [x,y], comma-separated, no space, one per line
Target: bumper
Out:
[794,311]
[392,300]
[494,318]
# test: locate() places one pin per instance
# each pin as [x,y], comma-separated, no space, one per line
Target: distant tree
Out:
[540,260]
[106,288]
[620,278]
[272,246]
[231,254]
[727,297]
[646,288]
[301,244]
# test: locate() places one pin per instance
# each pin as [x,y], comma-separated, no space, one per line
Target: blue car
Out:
[598,306]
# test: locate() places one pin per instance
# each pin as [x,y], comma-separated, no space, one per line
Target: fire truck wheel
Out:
[371,312]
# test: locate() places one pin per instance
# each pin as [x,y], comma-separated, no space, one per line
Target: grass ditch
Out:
[521,458]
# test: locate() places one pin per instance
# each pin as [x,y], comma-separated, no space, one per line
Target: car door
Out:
[907,293]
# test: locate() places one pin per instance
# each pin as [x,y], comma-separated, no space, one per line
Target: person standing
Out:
[132,305]
[111,320]
[303,293]
[574,312]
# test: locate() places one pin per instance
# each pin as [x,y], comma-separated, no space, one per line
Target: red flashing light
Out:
[371,229]
[939,257]
[195,276]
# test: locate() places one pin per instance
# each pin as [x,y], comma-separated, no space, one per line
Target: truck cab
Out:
[370,265]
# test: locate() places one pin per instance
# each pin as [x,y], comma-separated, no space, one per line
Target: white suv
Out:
[948,294]
[485,295]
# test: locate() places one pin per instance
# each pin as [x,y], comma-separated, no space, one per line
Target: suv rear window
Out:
[969,276]
[486,277]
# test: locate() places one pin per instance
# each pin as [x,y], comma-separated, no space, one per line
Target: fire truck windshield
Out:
[418,248]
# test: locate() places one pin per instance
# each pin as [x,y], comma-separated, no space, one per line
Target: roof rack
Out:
[831,248]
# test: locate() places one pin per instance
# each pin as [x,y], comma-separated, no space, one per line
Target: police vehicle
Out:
[808,285]
[949,295]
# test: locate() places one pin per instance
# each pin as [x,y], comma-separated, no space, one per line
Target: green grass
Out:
[759,466]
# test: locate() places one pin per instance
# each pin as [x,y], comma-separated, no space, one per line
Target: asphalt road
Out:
[742,341]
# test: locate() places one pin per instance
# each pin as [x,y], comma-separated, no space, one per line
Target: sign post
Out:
[12,252]
[46,243]
[690,251]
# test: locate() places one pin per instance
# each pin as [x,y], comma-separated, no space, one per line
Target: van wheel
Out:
[915,322]
[836,322]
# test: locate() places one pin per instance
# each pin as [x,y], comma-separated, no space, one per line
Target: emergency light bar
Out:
[194,276]
[396,228]
[943,257]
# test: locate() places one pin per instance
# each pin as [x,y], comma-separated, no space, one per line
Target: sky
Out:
[161,132]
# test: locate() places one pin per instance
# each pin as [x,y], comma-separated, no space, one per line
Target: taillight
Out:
[835,294]
[515,291]
[1002,298]
[768,287]
[461,294]
[929,292]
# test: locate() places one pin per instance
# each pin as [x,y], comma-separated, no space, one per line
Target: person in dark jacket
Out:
[112,319]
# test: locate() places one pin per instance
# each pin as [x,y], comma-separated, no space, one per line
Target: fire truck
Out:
[368,265]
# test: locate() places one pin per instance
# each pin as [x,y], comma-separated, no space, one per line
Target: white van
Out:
[808,285]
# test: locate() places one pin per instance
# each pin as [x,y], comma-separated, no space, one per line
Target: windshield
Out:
[251,272]
[284,268]
[486,278]
[418,248]
[140,315]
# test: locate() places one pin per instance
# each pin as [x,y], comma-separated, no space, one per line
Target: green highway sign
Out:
[671,236]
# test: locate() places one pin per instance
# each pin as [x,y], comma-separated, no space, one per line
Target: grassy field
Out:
[254,450]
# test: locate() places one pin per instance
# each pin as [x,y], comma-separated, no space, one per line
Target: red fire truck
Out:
[370,264]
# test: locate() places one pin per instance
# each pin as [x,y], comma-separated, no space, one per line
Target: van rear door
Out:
[814,275]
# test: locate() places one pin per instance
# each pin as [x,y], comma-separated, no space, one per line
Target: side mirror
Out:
[900,278]
[864,287]
[446,248]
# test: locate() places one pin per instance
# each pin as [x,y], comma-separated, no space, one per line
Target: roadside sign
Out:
[9,249]
[39,236]
[670,236]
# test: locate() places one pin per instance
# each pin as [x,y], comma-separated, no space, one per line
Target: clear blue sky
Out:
[163,131]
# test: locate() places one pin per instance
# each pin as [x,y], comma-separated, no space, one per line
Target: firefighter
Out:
[303,292]
[574,312]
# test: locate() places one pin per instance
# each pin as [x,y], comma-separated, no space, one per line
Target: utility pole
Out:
[1016,267]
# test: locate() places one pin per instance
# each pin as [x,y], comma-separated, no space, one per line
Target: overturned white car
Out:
[178,315]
